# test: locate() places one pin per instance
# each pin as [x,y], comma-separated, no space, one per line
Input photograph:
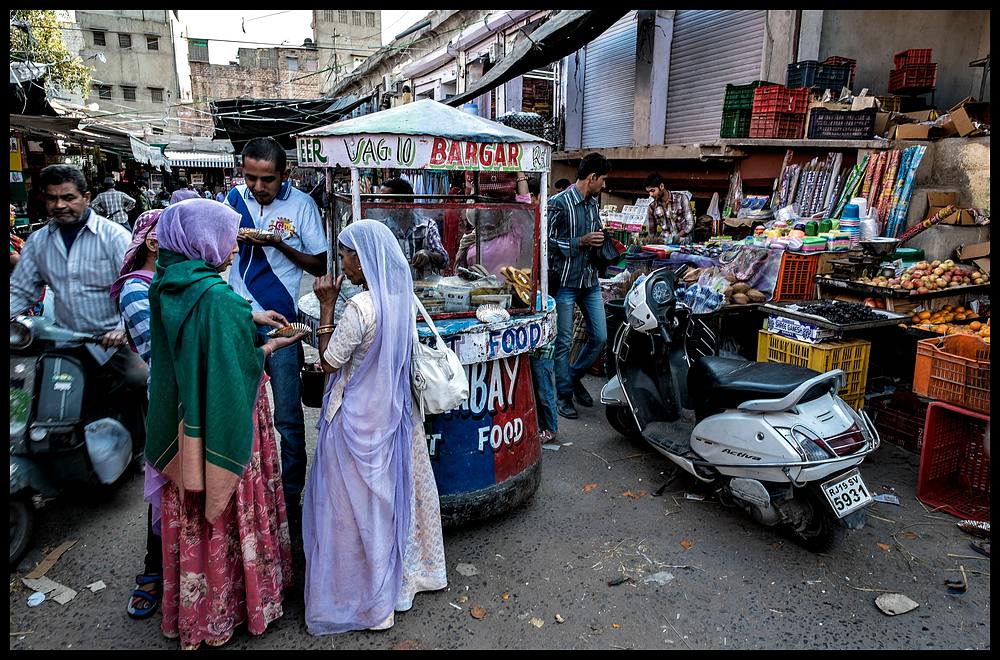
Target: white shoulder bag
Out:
[439,381]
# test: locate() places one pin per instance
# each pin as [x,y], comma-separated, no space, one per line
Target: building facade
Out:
[345,38]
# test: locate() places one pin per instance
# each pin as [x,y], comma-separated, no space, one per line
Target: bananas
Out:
[520,281]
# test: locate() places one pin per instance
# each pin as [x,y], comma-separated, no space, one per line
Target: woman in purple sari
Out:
[371,522]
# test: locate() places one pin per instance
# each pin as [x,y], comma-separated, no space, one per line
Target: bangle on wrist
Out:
[324,331]
[325,327]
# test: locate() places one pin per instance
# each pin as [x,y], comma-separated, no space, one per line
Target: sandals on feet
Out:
[151,598]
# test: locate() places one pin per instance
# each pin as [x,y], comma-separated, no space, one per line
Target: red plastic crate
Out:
[913,77]
[912,56]
[777,125]
[836,60]
[775,98]
[900,420]
[795,275]
[954,473]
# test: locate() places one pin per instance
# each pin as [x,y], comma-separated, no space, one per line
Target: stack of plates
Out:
[852,227]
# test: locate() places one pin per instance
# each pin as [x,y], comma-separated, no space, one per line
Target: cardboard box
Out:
[914,131]
[977,253]
[938,200]
[967,111]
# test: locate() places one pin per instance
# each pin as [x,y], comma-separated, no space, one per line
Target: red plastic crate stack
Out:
[779,112]
[914,72]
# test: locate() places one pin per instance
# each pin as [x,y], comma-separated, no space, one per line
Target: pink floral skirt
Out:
[218,576]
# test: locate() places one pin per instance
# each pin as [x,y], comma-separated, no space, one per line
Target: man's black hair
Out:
[653,180]
[593,163]
[109,183]
[398,186]
[56,175]
[534,185]
[562,184]
[182,182]
[266,149]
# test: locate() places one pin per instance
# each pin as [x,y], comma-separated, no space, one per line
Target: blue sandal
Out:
[152,598]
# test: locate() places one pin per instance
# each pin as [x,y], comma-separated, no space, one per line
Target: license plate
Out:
[847,493]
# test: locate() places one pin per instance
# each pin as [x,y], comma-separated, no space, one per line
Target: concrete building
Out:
[134,58]
[345,38]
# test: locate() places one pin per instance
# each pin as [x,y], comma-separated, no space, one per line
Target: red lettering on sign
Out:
[500,157]
[470,154]
[455,154]
[514,154]
[511,460]
[486,154]
[439,151]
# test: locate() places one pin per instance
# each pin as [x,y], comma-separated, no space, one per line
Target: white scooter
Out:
[773,438]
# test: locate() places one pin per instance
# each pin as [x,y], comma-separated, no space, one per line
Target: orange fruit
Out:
[975,325]
[916,318]
[959,310]
[924,314]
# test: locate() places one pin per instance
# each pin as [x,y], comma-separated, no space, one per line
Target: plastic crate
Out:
[841,124]
[954,473]
[795,277]
[899,419]
[955,369]
[913,78]
[837,60]
[777,125]
[735,124]
[810,73]
[856,401]
[890,103]
[740,97]
[776,98]
[850,355]
[912,56]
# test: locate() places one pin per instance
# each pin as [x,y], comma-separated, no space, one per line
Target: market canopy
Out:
[199,159]
[424,135]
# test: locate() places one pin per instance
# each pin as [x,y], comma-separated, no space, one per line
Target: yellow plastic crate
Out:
[855,401]
[849,355]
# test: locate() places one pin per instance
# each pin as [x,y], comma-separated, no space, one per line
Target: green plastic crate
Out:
[735,124]
[740,97]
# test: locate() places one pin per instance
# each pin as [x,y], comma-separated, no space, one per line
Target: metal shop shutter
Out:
[609,86]
[709,50]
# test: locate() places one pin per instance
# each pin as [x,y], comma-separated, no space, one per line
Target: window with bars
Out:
[328,15]
[103,92]
[356,17]
[128,92]
[370,19]
[198,50]
[264,61]
[152,42]
[293,63]
[100,38]
[156,94]
[342,15]
[124,40]
[311,65]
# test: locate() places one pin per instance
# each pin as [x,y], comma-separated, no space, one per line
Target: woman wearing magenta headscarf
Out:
[226,549]
[371,521]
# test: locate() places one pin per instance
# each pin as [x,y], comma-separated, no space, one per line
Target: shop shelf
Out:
[890,103]
[912,56]
[837,60]
[740,97]
[777,125]
[900,419]
[850,355]
[776,98]
[795,277]
[841,124]
[955,369]
[810,73]
[954,473]
[912,78]
[735,124]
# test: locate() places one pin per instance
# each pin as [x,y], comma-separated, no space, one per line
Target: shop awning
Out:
[199,159]
[563,34]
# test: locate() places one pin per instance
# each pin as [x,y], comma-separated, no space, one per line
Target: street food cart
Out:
[490,301]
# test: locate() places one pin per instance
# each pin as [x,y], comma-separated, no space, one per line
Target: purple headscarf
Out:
[182,194]
[145,227]
[199,229]
[356,517]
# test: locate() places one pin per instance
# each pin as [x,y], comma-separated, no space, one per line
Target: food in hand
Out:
[289,330]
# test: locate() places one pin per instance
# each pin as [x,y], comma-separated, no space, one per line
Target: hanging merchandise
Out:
[885,195]
[903,205]
[734,195]
[851,185]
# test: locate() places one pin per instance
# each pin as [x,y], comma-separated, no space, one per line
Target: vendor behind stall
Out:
[418,235]
[661,219]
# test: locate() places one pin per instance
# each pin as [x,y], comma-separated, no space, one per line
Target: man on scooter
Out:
[78,255]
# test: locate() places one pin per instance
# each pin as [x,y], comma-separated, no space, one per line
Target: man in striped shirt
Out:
[113,204]
[574,233]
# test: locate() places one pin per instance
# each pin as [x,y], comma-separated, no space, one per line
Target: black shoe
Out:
[566,409]
[582,396]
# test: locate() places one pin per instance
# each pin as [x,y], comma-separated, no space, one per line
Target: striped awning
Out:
[199,159]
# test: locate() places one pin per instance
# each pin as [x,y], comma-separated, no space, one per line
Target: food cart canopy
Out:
[424,135]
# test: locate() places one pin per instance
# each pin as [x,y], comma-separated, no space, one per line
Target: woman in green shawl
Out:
[226,549]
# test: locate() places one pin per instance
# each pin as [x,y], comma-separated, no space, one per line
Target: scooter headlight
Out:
[20,335]
[661,293]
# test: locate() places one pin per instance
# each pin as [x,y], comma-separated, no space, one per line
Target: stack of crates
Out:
[736,109]
[812,74]
[779,112]
[914,72]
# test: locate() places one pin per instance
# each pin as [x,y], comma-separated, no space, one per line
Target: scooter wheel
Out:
[819,531]
[22,521]
[622,421]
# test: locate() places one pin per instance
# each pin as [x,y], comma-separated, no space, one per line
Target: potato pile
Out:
[737,293]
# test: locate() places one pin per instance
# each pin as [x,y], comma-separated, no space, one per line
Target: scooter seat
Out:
[718,382]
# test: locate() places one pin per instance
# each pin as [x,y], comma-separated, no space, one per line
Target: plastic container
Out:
[908,254]
[456,299]
[641,262]
[810,73]
[913,78]
[777,125]
[795,277]
[735,123]
[912,56]
[899,419]
[841,124]
[776,98]
[740,97]
[109,446]
[837,60]
[954,473]
[850,355]
[955,369]
[890,103]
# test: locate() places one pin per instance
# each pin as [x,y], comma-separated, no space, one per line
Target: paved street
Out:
[702,576]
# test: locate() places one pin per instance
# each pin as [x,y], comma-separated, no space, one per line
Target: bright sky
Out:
[266,27]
